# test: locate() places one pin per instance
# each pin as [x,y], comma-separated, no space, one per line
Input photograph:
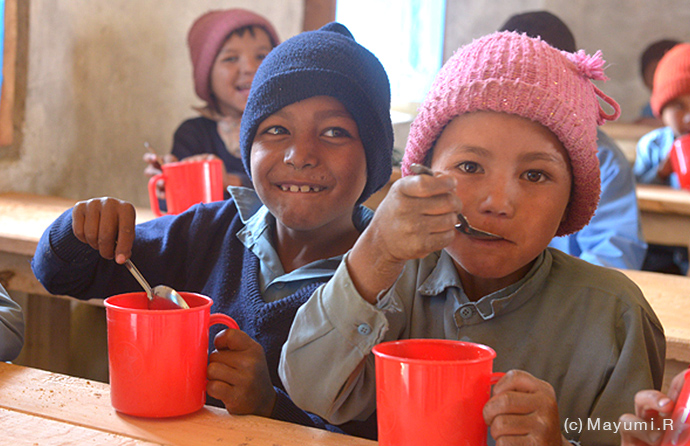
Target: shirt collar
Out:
[445,279]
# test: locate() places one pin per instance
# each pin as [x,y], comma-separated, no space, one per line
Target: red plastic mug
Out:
[186,184]
[680,160]
[679,433]
[158,358]
[432,391]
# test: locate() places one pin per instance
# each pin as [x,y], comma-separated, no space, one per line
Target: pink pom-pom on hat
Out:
[208,34]
[512,73]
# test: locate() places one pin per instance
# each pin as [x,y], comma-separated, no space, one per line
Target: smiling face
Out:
[676,114]
[309,167]
[234,68]
[514,180]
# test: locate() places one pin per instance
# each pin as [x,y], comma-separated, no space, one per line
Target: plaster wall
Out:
[621,29]
[106,75]
[103,77]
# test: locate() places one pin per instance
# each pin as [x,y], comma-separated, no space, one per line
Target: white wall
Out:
[103,77]
[620,28]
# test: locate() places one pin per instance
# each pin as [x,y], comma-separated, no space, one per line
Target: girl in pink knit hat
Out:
[509,130]
[226,48]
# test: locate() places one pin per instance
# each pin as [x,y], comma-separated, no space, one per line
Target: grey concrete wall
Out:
[103,77]
[621,29]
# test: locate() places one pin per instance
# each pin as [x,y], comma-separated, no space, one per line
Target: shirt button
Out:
[280,285]
[364,329]
[466,312]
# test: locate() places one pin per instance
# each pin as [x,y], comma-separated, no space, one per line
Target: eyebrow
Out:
[334,114]
[527,157]
[543,156]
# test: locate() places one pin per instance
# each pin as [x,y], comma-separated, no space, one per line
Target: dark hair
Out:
[655,51]
[542,24]
[239,32]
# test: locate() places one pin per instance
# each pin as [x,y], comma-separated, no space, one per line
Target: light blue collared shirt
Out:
[257,236]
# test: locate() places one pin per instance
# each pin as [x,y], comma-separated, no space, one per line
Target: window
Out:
[406,36]
[9,18]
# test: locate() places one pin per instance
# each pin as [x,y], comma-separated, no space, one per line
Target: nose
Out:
[497,198]
[302,154]
[249,65]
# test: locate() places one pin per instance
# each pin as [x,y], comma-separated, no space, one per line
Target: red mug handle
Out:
[153,199]
[217,318]
[496,376]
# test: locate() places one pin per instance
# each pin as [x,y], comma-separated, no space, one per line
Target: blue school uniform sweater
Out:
[196,251]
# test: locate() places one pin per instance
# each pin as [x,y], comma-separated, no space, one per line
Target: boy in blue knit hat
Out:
[316,139]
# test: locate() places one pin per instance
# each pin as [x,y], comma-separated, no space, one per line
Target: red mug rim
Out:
[175,164]
[488,352]
[109,303]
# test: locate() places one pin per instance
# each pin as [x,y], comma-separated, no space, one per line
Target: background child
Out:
[671,102]
[649,59]
[510,128]
[11,327]
[317,141]
[613,236]
[650,405]
[226,48]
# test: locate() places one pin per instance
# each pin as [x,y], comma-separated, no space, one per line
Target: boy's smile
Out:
[309,166]
[514,179]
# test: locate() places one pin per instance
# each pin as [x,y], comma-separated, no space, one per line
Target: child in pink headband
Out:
[509,128]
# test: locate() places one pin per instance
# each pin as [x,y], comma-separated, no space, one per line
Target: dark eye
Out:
[535,176]
[469,167]
[337,132]
[276,130]
[231,59]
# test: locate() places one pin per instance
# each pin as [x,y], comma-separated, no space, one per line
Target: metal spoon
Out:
[463,225]
[161,297]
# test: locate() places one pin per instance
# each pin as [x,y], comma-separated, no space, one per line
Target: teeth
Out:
[303,189]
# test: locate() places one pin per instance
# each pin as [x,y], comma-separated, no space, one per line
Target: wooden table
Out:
[23,219]
[669,296]
[44,408]
[665,214]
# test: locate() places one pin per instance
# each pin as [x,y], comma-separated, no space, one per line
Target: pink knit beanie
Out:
[512,73]
[671,78]
[208,34]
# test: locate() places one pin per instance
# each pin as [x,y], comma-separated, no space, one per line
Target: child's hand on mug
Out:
[523,406]
[154,165]
[650,405]
[238,375]
[107,225]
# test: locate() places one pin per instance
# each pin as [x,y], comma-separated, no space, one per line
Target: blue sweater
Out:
[195,251]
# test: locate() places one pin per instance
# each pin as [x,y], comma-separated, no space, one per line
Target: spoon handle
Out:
[137,275]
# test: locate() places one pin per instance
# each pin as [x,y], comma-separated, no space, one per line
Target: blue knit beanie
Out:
[326,62]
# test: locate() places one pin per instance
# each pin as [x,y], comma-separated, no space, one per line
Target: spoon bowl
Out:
[161,297]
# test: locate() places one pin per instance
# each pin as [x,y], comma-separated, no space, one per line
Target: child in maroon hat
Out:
[226,48]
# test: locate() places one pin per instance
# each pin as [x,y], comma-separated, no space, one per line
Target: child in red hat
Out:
[226,48]
[670,101]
